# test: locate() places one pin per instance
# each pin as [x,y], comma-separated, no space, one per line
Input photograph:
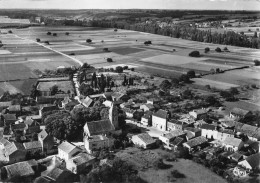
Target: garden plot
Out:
[167,59]
[6,86]
[50,65]
[146,54]
[213,83]
[71,47]
[204,66]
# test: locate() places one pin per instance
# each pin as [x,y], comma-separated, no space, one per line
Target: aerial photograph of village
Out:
[130,91]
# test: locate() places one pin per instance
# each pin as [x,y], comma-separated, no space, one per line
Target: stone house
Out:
[96,142]
[159,120]
[146,119]
[194,143]
[167,138]
[80,163]
[175,125]
[143,140]
[232,144]
[209,131]
[66,150]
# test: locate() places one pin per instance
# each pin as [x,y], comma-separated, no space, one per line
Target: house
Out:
[143,140]
[3,143]
[153,101]
[65,101]
[4,105]
[147,107]
[108,103]
[209,131]
[177,142]
[232,144]
[192,132]
[195,143]
[14,109]
[14,172]
[46,140]
[246,166]
[96,142]
[80,163]
[238,113]
[175,125]
[33,147]
[47,108]
[42,179]
[9,119]
[56,175]
[199,114]
[88,102]
[167,138]
[223,134]
[15,152]
[66,150]
[159,119]
[130,113]
[146,119]
[116,96]
[103,126]
[236,157]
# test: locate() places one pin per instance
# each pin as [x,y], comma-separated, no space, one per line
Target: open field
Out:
[213,83]
[20,54]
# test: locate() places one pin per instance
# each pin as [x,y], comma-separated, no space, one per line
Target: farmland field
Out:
[21,55]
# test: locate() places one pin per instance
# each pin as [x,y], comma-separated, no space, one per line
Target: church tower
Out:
[113,116]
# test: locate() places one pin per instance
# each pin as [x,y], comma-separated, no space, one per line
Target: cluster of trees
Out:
[229,95]
[184,32]
[128,81]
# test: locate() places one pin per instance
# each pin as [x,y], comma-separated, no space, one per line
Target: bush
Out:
[225,49]
[109,60]
[147,42]
[191,74]
[67,33]
[115,30]
[159,164]
[38,40]
[194,54]
[48,33]
[46,42]
[177,174]
[105,49]
[10,32]
[207,49]
[125,67]
[132,69]
[257,62]
[88,40]
[119,69]
[54,34]
[218,49]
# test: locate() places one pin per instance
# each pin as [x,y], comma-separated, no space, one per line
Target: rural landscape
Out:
[129,95]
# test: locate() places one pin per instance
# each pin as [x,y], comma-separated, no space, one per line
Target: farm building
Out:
[195,143]
[232,144]
[66,150]
[96,142]
[143,140]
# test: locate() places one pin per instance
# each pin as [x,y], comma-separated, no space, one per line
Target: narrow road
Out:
[63,54]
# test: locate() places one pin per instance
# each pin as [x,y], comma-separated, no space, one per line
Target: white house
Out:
[96,142]
[167,138]
[209,131]
[143,140]
[159,120]
[79,163]
[232,144]
[66,150]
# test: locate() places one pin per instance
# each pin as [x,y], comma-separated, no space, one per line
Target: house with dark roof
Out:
[232,144]
[192,132]
[194,143]
[67,150]
[143,140]
[175,125]
[238,113]
[209,131]
[57,175]
[47,108]
[9,119]
[80,163]
[96,142]
[147,118]
[32,147]
[98,127]
[14,172]
[15,152]
[167,138]
[159,119]
[46,140]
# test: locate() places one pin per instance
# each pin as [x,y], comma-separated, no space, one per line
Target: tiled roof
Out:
[32,145]
[177,141]
[238,125]
[4,142]
[191,129]
[87,102]
[200,111]
[42,179]
[254,160]
[55,174]
[14,108]
[146,138]
[232,141]
[13,147]
[196,141]
[208,127]
[9,116]
[42,135]
[161,114]
[236,156]
[173,134]
[29,121]
[49,108]
[175,122]
[99,127]
[82,158]
[66,147]
[20,126]
[20,169]
[238,111]
[5,104]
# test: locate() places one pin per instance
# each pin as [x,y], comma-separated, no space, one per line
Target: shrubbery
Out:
[194,54]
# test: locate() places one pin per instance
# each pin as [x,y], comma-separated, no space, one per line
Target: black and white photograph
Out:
[130,91]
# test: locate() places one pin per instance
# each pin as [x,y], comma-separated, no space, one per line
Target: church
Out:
[95,132]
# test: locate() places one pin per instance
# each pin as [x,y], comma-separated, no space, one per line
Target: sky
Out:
[130,4]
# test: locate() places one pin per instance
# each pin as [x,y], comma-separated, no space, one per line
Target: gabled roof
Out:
[232,141]
[20,169]
[43,134]
[236,156]
[173,134]
[146,138]
[238,111]
[191,129]
[208,127]
[32,145]
[254,160]
[42,179]
[99,127]
[13,147]
[177,141]
[176,122]
[67,147]
[117,95]
[96,138]
[9,116]
[14,108]
[48,108]
[4,142]
[87,102]
[238,125]
[82,158]
[247,127]
[161,114]
[55,174]
[196,141]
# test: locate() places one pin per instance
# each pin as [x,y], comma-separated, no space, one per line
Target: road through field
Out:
[74,59]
